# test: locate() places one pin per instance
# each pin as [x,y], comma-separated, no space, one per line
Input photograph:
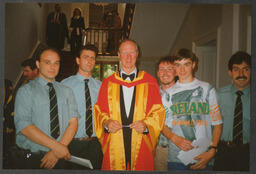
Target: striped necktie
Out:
[54,119]
[88,112]
[56,17]
[238,120]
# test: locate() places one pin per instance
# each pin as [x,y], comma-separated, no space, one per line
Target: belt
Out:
[85,138]
[231,144]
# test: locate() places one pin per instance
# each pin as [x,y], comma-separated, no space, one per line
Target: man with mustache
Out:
[234,102]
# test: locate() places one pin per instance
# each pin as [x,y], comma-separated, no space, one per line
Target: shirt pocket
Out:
[63,112]
[41,114]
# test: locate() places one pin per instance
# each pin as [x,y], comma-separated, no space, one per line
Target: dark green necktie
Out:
[54,119]
[238,120]
[88,112]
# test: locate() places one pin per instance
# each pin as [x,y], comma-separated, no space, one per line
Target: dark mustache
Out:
[241,78]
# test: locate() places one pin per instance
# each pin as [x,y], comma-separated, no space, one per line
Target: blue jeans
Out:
[180,166]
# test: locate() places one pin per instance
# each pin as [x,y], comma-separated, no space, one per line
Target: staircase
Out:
[128,18]
[98,37]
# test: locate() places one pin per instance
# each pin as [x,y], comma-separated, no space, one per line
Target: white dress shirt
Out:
[128,93]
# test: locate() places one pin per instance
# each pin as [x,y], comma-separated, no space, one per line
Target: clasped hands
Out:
[113,126]
[50,159]
[186,145]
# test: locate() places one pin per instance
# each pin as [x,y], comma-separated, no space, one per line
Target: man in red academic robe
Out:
[129,115]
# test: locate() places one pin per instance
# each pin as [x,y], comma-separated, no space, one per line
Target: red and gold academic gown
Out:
[148,107]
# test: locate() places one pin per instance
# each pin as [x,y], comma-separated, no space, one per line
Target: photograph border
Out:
[253,80]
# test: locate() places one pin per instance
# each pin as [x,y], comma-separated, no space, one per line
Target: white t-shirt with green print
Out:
[191,112]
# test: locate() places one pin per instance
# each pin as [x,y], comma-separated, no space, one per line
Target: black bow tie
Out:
[131,76]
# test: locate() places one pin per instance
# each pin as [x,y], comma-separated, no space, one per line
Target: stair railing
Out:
[108,39]
[33,54]
[105,39]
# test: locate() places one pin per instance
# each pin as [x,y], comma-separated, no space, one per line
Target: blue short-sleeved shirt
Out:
[227,99]
[77,84]
[32,107]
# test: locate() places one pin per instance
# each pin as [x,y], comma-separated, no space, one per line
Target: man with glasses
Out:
[234,99]
[166,74]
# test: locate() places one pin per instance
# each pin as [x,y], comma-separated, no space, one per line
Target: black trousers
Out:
[25,159]
[76,44]
[232,157]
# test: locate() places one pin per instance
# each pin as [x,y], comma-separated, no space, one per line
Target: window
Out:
[104,69]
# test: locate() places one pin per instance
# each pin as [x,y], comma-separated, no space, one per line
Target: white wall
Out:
[229,37]
[23,29]
[205,19]
[245,15]
[226,43]
[155,26]
[201,19]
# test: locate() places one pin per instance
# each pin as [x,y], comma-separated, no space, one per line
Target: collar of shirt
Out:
[134,71]
[43,82]
[245,91]
[187,84]
[161,91]
[80,77]
[164,91]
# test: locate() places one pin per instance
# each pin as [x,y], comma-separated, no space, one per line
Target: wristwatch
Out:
[213,147]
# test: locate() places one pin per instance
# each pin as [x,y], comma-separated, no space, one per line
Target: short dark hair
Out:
[238,58]
[165,59]
[48,49]
[89,47]
[185,53]
[29,62]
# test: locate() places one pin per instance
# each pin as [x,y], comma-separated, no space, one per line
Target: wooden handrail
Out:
[107,39]
[33,54]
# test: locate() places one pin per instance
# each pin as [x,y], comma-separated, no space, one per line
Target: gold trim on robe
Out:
[153,117]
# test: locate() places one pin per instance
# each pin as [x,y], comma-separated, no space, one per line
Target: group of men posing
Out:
[116,124]
[195,113]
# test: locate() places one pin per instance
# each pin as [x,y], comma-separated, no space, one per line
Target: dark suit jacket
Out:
[77,23]
[56,31]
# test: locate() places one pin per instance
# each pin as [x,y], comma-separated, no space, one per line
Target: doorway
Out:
[207,55]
